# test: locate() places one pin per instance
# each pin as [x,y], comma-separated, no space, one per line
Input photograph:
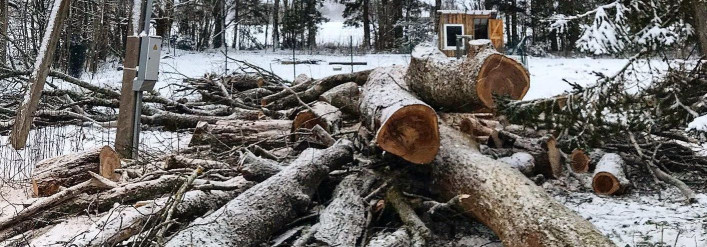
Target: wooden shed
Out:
[478,24]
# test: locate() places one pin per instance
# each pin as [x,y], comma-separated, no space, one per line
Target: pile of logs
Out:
[372,158]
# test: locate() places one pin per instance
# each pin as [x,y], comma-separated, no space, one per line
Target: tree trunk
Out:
[179,161]
[548,159]
[4,17]
[257,169]
[242,82]
[469,85]
[405,126]
[500,197]
[523,162]
[343,221]
[218,23]
[344,97]
[226,134]
[700,8]
[366,24]
[255,215]
[67,170]
[609,177]
[276,25]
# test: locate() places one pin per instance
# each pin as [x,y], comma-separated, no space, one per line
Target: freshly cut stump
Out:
[465,85]
[580,161]
[71,169]
[609,177]
[405,126]
[322,114]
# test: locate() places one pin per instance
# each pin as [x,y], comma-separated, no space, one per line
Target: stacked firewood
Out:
[372,158]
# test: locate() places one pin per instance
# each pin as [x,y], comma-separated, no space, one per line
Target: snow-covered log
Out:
[322,114]
[404,125]
[265,133]
[126,221]
[548,158]
[518,211]
[523,162]
[609,177]
[465,85]
[255,215]
[343,221]
[420,234]
[398,238]
[67,170]
[179,161]
[255,168]
[344,97]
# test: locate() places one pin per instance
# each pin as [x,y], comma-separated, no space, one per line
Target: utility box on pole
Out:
[152,69]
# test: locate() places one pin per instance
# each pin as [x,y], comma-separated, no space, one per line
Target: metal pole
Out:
[144,49]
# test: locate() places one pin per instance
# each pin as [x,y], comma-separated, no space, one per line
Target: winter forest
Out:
[353,123]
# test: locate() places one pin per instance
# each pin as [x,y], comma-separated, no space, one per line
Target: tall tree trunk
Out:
[218,23]
[438,6]
[366,24]
[700,7]
[236,20]
[3,31]
[397,16]
[276,25]
[311,23]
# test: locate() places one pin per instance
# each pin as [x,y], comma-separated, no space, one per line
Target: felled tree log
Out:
[71,169]
[548,159]
[467,85]
[343,221]
[322,114]
[419,233]
[179,161]
[313,91]
[398,238]
[609,177]
[255,168]
[266,133]
[255,215]
[518,211]
[344,97]
[523,162]
[579,161]
[242,82]
[127,221]
[404,125]
[253,96]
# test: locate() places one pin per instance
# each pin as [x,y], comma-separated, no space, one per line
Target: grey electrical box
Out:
[152,67]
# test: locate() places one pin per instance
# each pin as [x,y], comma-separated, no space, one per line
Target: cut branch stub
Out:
[322,114]
[609,177]
[405,126]
[467,85]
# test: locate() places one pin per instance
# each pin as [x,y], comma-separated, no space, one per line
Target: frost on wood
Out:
[523,162]
[258,213]
[405,126]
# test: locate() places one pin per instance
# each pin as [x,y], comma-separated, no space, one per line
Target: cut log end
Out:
[501,76]
[605,183]
[411,133]
[580,161]
[109,161]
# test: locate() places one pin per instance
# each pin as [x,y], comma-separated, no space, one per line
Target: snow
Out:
[643,220]
[698,124]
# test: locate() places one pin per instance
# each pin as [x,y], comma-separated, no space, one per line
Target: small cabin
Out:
[472,24]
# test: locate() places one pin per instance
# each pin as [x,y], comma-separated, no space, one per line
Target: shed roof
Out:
[469,12]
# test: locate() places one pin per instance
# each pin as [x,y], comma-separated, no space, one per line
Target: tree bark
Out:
[276,25]
[179,161]
[548,159]
[518,211]
[523,162]
[343,221]
[700,8]
[366,24]
[67,170]
[405,126]
[344,97]
[467,85]
[609,177]
[257,169]
[255,215]
[266,133]
[4,17]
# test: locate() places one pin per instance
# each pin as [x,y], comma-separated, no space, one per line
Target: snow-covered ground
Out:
[629,220]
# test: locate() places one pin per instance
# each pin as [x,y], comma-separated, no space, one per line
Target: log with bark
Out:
[518,211]
[67,170]
[345,97]
[320,113]
[403,125]
[467,85]
[311,92]
[609,177]
[523,162]
[548,158]
[579,161]
[227,134]
[255,215]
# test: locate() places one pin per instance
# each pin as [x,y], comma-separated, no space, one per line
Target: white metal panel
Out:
[152,69]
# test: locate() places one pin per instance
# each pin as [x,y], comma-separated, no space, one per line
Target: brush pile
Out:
[396,156]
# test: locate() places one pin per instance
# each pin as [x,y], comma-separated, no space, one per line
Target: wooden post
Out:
[24,117]
[124,134]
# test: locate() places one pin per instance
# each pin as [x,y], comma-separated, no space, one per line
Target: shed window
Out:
[450,33]
[481,28]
